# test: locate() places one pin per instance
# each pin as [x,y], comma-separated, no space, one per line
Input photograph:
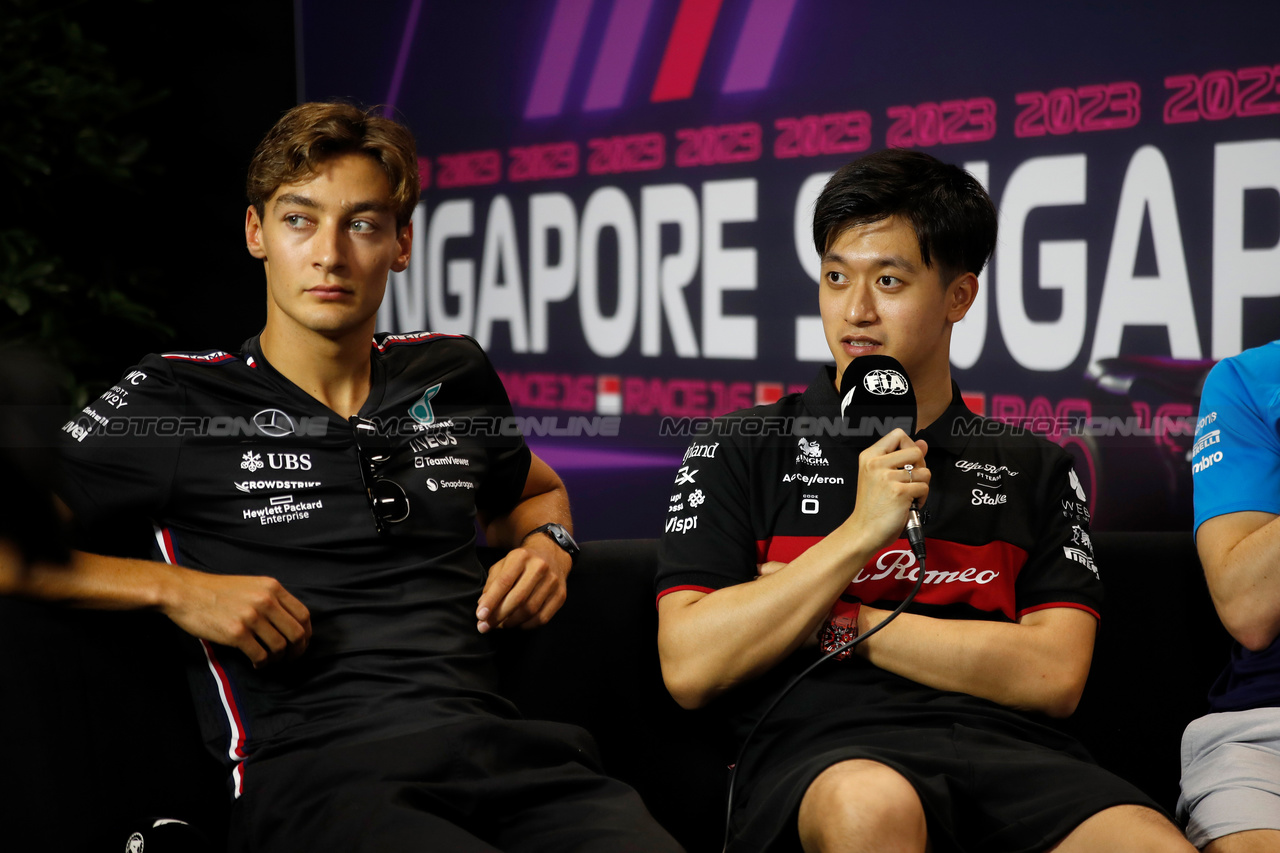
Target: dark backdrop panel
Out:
[617,196]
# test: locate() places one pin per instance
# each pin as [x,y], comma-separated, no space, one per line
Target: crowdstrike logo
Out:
[251,486]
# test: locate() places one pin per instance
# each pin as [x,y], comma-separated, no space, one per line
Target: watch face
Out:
[561,537]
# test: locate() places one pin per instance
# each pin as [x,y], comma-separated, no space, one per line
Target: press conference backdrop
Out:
[617,202]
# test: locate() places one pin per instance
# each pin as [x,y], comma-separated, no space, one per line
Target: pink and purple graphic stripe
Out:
[754,57]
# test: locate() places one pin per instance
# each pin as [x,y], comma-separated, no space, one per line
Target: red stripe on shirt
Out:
[237,748]
[229,706]
[981,576]
[173,356]
[693,587]
[1054,604]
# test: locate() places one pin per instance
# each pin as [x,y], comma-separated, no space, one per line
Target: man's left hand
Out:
[526,587]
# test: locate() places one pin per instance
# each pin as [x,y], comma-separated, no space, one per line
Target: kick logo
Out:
[421,410]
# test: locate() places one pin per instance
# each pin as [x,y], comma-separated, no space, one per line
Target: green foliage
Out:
[67,154]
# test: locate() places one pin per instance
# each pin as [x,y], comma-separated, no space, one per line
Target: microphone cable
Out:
[916,538]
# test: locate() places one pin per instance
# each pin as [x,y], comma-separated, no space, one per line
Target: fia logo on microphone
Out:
[881,382]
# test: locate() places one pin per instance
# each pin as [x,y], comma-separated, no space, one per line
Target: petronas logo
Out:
[421,410]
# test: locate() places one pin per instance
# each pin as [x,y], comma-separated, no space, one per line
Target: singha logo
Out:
[811,453]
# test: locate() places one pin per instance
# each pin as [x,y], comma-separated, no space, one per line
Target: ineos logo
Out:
[274,423]
[885,382]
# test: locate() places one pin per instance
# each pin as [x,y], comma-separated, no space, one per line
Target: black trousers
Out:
[486,785]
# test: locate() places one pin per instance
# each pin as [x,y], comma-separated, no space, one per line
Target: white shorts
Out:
[1230,774]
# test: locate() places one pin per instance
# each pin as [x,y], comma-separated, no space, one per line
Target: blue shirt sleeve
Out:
[1235,462]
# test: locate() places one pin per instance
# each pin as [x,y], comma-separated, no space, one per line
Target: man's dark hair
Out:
[309,134]
[953,217]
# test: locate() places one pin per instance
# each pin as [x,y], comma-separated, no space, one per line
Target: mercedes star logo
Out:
[274,423]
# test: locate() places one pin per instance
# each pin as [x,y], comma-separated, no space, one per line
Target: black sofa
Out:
[102,733]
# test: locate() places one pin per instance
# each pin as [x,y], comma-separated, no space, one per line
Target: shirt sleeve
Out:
[119,453]
[1060,570]
[707,541]
[509,456]
[1235,462]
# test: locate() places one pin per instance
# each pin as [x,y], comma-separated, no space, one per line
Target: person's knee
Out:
[861,805]
[1127,828]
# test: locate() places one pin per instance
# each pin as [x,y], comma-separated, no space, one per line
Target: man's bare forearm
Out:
[254,614]
[710,642]
[96,581]
[1038,664]
[1241,556]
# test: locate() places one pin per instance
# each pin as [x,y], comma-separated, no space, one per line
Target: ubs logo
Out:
[289,461]
[274,423]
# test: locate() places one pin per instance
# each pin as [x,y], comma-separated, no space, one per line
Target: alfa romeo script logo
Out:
[274,423]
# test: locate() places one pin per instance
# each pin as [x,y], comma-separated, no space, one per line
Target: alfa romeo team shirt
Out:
[1006,529]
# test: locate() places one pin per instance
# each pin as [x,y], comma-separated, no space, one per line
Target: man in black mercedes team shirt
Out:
[313,498]
[929,736]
